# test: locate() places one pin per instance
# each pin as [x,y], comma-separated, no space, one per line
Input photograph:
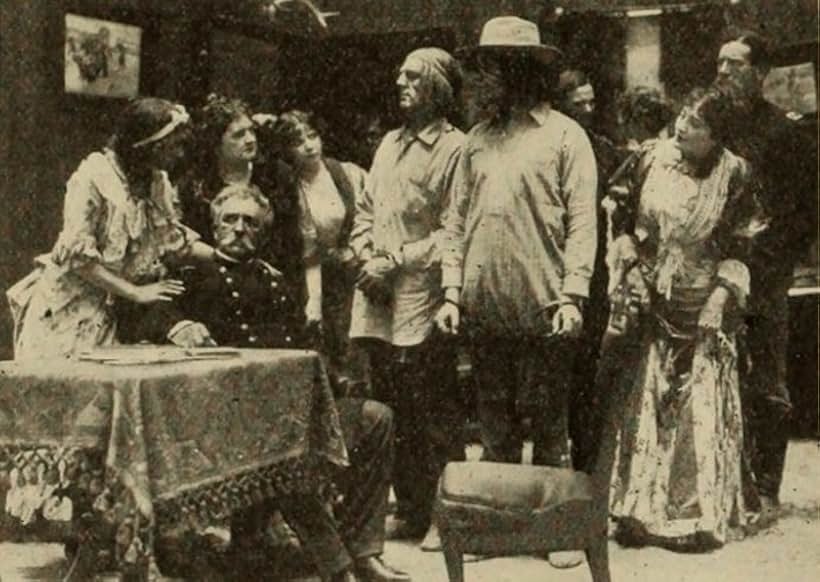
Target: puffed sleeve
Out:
[84,212]
[742,221]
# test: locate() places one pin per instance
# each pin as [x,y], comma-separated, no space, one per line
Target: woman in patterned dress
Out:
[677,477]
[120,226]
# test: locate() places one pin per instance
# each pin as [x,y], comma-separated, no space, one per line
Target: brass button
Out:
[235,294]
[244,327]
[229,280]
[223,270]
[252,339]
[238,312]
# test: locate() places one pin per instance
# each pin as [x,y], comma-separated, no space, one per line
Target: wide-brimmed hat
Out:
[510,35]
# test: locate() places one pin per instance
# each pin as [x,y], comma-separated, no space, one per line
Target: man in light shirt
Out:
[397,230]
[520,248]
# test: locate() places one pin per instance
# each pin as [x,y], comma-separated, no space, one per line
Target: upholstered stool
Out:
[499,509]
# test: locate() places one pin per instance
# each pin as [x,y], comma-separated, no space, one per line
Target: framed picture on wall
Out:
[102,57]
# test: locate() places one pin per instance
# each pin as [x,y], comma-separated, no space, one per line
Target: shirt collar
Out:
[428,135]
[540,113]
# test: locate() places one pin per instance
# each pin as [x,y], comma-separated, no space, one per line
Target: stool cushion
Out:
[508,487]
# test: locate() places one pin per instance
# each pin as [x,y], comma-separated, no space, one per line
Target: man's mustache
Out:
[244,241]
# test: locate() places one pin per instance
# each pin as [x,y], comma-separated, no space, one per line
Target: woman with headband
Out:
[120,225]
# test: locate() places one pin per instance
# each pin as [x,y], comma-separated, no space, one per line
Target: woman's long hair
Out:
[140,119]
[286,131]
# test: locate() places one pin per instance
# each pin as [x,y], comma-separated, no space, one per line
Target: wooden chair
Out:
[499,509]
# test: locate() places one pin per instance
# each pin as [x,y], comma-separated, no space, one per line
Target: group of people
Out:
[568,271]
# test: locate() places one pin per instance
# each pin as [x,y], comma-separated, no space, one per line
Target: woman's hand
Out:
[343,255]
[711,315]
[165,290]
[313,312]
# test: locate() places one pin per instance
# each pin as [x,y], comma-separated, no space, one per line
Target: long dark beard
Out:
[740,101]
[503,87]
[484,95]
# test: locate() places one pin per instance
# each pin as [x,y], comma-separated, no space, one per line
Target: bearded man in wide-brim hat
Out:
[520,246]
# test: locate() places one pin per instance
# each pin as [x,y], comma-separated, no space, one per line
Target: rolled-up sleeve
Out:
[579,187]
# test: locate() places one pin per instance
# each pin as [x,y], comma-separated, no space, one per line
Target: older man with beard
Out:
[520,249]
[397,233]
[786,165]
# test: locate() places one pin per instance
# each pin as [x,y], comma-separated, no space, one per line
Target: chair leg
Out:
[598,560]
[454,558]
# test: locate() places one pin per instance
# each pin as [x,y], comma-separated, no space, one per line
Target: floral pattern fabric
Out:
[56,312]
[677,477]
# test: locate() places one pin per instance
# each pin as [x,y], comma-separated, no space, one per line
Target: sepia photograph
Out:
[102,58]
[409,291]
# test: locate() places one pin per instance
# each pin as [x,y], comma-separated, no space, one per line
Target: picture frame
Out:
[102,58]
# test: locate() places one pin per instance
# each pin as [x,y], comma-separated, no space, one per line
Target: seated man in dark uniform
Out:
[240,301]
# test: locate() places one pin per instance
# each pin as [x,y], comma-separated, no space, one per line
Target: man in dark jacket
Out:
[586,411]
[785,165]
[241,301]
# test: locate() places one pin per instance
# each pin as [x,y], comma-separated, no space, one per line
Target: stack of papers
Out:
[138,355]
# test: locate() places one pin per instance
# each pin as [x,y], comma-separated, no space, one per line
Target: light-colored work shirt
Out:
[400,212]
[521,233]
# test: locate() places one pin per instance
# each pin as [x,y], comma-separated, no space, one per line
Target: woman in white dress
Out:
[120,226]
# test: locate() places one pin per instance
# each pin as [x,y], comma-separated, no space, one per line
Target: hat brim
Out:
[544,54]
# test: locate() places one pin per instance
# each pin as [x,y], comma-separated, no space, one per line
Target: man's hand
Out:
[193,335]
[711,315]
[448,318]
[568,321]
[374,278]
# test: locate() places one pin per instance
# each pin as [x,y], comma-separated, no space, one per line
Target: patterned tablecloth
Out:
[108,452]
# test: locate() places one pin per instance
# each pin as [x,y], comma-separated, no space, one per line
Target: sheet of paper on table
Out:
[142,354]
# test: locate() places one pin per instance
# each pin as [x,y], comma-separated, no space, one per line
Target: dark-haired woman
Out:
[120,225]
[226,151]
[677,480]
[327,191]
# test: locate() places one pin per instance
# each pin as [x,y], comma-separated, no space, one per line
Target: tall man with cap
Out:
[397,232]
[520,248]
[785,164]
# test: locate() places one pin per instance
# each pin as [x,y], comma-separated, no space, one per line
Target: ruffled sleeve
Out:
[83,215]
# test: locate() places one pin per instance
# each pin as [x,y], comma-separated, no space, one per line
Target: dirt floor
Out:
[790,551]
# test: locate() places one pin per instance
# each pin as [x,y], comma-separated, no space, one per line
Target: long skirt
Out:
[677,475]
